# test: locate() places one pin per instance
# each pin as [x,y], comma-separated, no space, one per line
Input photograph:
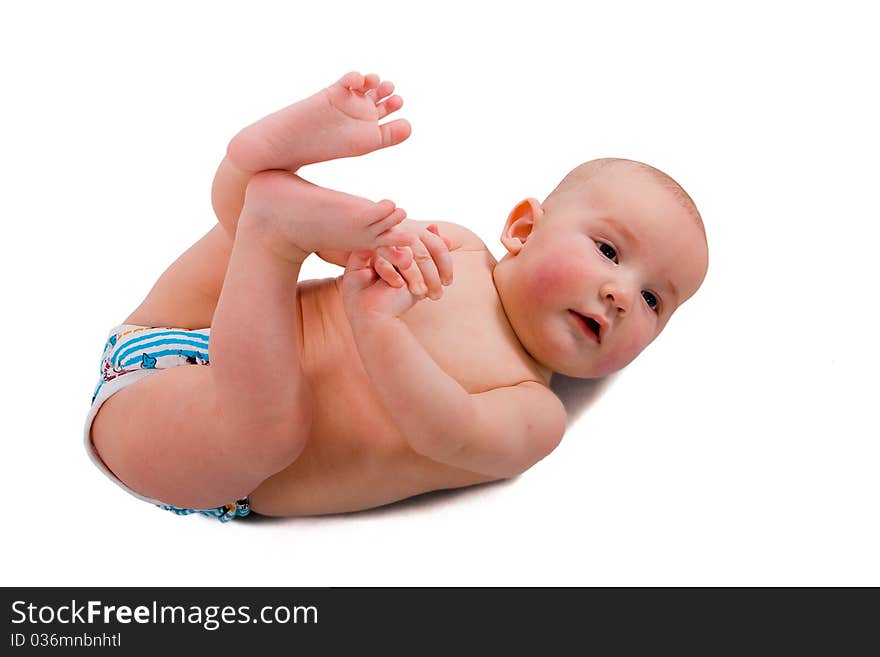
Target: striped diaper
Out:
[133,352]
[145,348]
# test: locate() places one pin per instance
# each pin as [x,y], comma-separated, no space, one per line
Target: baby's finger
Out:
[399,256]
[438,246]
[387,272]
[393,238]
[359,260]
[359,272]
[415,281]
[423,257]
[402,259]
[433,228]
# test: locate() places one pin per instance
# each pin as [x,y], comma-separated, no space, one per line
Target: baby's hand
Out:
[424,266]
[391,280]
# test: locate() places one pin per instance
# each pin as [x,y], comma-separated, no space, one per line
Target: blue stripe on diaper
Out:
[127,349]
[149,360]
[193,335]
[150,334]
[120,348]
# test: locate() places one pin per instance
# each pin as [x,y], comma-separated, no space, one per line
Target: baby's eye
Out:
[608,251]
[650,299]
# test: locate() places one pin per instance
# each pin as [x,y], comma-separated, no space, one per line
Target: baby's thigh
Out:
[165,438]
[157,426]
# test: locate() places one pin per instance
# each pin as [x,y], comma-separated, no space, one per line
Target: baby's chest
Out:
[465,332]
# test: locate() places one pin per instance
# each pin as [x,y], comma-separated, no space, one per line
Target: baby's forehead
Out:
[632,201]
[640,200]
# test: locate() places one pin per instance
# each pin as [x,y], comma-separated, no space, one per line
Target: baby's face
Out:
[621,251]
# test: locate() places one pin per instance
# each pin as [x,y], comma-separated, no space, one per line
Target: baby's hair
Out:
[583,173]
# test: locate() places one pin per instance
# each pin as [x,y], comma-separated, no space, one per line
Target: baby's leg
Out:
[339,121]
[200,437]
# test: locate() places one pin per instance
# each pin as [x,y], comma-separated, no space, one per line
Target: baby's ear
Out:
[520,223]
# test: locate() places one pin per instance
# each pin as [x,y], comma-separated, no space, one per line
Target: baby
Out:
[400,376]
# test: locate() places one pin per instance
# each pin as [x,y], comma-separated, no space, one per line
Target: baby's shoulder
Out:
[463,239]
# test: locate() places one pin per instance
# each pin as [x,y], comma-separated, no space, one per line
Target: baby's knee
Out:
[280,447]
[268,447]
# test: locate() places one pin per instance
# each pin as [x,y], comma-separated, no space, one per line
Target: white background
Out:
[740,449]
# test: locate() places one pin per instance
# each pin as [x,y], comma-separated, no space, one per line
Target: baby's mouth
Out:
[591,326]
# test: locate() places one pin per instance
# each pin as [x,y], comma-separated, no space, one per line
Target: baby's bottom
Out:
[134,352]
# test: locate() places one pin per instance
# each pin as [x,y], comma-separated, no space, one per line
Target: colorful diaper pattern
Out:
[146,348]
[237,509]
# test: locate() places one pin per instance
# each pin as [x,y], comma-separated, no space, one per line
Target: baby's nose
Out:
[618,296]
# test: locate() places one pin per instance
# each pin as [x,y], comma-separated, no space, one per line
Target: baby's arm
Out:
[501,432]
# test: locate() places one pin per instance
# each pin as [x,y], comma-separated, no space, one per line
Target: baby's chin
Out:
[584,373]
[593,369]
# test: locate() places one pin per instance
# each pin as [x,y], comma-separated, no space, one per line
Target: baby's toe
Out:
[352,80]
[388,106]
[371,81]
[384,89]
[379,211]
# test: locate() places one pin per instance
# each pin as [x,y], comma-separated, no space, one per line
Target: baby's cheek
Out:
[547,280]
[623,352]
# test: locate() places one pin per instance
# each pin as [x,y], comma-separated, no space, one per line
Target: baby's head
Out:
[618,242]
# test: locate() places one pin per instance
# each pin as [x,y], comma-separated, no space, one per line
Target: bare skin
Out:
[300,218]
[339,121]
[353,455]
[382,395]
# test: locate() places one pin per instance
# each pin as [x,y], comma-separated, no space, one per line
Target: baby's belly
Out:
[355,457]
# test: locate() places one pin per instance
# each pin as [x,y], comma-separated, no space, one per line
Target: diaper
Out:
[132,353]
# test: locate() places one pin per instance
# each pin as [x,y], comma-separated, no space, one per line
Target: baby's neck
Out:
[545,372]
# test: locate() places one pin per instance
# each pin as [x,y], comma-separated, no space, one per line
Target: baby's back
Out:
[355,457]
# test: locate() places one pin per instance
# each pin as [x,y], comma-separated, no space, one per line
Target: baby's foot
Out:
[339,121]
[301,218]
